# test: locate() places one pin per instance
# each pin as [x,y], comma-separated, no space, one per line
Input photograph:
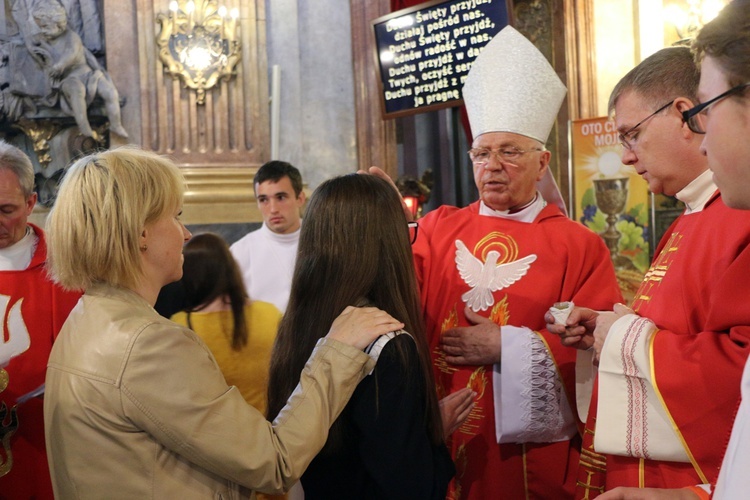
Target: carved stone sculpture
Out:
[52,83]
[47,68]
[71,70]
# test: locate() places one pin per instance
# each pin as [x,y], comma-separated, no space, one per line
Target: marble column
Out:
[311,42]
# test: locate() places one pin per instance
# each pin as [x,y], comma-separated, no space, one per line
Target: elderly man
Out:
[670,367]
[34,310]
[488,271]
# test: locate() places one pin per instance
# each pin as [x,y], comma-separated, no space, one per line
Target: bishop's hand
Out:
[479,344]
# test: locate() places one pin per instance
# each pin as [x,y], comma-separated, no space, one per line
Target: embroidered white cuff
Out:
[530,401]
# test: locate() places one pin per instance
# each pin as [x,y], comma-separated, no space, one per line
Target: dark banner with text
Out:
[425,52]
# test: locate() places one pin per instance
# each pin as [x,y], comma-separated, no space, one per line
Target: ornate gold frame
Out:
[203,28]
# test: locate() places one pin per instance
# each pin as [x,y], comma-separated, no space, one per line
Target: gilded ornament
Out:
[198,44]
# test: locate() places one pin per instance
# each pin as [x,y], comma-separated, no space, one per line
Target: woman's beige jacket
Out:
[136,407]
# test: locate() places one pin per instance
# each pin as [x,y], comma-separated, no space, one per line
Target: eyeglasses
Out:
[413,229]
[629,138]
[481,156]
[693,116]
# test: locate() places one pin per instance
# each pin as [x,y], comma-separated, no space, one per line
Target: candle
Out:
[173,9]
[235,13]
[223,14]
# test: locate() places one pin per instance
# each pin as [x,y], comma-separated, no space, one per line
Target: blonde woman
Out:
[135,405]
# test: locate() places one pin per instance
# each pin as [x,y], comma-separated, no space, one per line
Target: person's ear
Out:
[30,202]
[143,239]
[544,159]
[683,104]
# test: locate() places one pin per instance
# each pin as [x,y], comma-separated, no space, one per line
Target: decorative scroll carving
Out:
[231,127]
[40,132]
[197,43]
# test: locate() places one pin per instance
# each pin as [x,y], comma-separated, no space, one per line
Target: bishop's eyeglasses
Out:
[508,154]
[694,117]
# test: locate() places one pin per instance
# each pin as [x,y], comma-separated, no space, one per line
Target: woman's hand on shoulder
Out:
[359,326]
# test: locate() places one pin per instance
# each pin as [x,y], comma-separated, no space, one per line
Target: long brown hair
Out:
[210,272]
[354,246]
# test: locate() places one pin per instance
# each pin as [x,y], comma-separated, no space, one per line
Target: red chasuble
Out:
[571,263]
[696,293]
[44,309]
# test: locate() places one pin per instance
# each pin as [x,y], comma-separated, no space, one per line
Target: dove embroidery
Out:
[485,278]
[17,334]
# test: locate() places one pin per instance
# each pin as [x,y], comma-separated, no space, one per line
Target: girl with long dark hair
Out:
[354,250]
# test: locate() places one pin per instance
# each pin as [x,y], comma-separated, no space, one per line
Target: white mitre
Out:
[512,88]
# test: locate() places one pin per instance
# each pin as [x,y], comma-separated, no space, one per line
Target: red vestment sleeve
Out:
[703,405]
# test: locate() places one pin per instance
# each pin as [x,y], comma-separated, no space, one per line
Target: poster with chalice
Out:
[610,198]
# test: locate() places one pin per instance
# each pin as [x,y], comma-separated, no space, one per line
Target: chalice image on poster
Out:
[611,197]
[611,194]
[609,210]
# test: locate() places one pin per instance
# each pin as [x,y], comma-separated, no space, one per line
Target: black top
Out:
[386,451]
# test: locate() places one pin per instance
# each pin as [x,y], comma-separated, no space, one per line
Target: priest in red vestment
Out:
[670,366]
[488,272]
[33,311]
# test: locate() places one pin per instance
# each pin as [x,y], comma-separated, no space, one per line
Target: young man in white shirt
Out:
[266,256]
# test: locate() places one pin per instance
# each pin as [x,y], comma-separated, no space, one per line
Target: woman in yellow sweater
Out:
[239,333]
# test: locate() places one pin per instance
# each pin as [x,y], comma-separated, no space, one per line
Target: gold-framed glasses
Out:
[507,154]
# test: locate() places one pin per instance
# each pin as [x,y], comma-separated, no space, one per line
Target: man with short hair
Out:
[723,49]
[486,273]
[670,367]
[266,256]
[34,310]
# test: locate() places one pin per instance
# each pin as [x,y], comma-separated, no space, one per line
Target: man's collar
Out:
[288,237]
[525,214]
[19,255]
[697,193]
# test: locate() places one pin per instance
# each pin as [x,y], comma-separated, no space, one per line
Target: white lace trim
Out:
[541,402]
